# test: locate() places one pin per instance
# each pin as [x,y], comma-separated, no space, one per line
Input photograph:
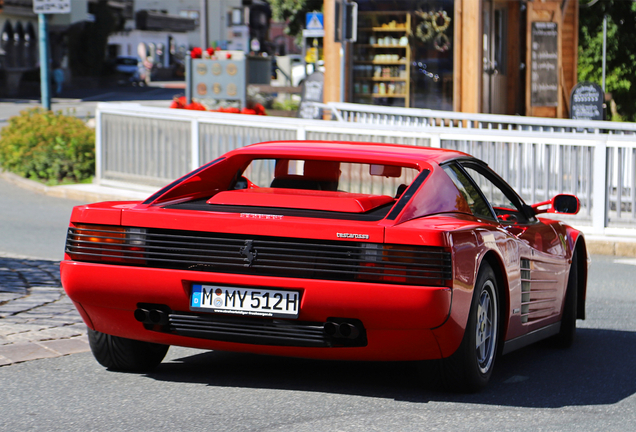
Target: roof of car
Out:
[395,153]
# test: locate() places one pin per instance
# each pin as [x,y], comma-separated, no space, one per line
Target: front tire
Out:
[470,367]
[126,355]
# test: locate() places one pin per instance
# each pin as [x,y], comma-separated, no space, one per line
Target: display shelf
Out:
[374,62]
[393,31]
[383,46]
[394,79]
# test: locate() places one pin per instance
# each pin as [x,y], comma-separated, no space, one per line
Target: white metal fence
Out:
[413,117]
[153,146]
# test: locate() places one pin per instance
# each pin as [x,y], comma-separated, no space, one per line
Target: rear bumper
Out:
[398,320]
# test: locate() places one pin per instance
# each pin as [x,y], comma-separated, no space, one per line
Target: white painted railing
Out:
[414,117]
[153,146]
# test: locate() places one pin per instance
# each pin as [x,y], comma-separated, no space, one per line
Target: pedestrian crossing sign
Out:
[314,21]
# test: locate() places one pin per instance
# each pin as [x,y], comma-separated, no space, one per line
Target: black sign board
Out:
[586,101]
[310,95]
[544,76]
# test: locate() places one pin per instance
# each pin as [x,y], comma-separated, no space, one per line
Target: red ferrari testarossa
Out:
[329,250]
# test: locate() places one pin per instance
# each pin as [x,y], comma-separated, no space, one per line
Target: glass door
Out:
[494,77]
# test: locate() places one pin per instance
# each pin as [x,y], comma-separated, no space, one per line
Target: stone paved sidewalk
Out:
[37,319]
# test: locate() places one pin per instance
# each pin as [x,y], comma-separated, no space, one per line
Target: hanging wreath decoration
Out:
[433,23]
[424,30]
[441,42]
[440,21]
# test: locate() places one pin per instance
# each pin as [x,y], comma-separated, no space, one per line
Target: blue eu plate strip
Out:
[195,299]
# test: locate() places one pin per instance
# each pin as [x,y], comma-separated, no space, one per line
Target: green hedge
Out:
[47,146]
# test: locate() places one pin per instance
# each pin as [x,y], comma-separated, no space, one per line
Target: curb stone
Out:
[84,192]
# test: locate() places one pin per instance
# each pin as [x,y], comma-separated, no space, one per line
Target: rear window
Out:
[372,179]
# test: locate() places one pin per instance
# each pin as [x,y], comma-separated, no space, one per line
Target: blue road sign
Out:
[314,21]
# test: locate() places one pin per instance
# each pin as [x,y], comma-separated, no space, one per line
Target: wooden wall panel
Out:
[471,53]
[570,43]
[457,57]
[331,92]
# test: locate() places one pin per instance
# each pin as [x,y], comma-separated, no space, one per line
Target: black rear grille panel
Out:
[261,331]
[263,255]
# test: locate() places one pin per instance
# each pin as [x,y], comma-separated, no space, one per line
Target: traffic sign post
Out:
[45,82]
[43,8]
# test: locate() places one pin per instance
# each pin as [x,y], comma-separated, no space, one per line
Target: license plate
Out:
[245,301]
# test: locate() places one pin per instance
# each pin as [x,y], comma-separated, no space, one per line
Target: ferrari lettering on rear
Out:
[261,216]
[352,236]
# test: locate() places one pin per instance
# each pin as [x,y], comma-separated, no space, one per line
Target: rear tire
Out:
[126,355]
[565,337]
[470,367]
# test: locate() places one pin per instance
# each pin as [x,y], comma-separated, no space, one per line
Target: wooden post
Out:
[469,65]
[331,51]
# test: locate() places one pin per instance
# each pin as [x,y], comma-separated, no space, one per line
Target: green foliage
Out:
[293,12]
[43,145]
[621,51]
[287,104]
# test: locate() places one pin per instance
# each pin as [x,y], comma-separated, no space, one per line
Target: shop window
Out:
[500,41]
[404,54]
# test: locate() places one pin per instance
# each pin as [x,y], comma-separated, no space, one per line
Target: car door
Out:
[536,296]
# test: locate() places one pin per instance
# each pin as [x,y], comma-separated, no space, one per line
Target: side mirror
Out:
[562,203]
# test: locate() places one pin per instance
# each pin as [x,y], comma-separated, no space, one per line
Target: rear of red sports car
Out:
[318,250]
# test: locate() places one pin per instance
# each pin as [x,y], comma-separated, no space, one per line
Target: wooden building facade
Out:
[480,56]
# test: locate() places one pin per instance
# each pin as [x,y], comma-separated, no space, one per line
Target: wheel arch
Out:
[497,266]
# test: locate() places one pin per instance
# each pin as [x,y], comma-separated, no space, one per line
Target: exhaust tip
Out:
[331,328]
[349,331]
[141,315]
[157,317]
[341,330]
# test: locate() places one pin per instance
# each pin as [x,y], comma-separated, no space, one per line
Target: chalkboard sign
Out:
[586,101]
[310,94]
[544,76]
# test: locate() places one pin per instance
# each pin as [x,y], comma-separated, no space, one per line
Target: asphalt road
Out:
[586,388]
[32,224]
[589,387]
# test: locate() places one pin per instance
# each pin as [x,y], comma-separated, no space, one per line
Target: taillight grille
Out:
[103,243]
[261,255]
